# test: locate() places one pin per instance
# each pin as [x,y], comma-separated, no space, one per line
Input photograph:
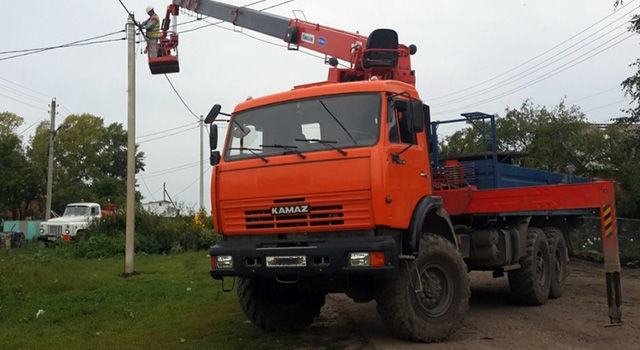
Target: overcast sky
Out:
[461,45]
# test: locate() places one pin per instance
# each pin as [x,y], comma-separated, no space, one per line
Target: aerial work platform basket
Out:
[163,52]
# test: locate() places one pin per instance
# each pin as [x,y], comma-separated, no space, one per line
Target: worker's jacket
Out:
[152,25]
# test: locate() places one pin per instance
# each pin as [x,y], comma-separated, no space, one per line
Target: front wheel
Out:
[276,306]
[428,300]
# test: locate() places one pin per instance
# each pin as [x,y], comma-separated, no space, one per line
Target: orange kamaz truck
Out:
[337,187]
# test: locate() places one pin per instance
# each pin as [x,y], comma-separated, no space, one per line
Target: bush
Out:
[153,235]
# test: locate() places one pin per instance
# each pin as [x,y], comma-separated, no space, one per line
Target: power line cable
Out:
[29,127]
[531,59]
[181,99]
[48,96]
[276,5]
[539,66]
[165,136]
[204,171]
[25,87]
[170,170]
[22,94]
[24,103]
[543,77]
[63,46]
[606,105]
[593,95]
[130,14]
[166,130]
[147,187]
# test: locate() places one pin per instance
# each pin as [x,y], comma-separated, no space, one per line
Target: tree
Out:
[631,85]
[90,160]
[559,140]
[17,179]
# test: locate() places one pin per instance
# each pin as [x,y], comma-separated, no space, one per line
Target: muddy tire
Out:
[275,306]
[559,259]
[531,283]
[436,311]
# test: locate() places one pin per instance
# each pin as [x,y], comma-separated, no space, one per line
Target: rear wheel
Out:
[276,306]
[530,284]
[428,300]
[559,258]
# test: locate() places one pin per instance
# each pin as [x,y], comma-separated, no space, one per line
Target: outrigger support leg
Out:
[610,249]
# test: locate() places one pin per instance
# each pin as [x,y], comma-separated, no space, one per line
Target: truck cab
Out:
[325,163]
[76,217]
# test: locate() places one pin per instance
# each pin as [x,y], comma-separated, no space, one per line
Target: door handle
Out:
[424,174]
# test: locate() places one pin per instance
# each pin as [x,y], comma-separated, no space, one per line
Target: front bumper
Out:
[324,258]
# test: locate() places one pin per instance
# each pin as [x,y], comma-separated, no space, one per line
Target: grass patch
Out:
[173,303]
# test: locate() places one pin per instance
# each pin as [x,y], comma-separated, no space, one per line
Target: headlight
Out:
[66,231]
[366,259]
[222,262]
[41,230]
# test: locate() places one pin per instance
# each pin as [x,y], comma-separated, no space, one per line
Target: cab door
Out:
[408,178]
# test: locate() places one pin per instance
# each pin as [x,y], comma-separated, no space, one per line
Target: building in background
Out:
[163,208]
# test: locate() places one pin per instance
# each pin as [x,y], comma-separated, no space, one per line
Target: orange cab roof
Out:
[393,86]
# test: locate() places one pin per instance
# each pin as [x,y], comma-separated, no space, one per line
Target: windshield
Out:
[76,211]
[320,123]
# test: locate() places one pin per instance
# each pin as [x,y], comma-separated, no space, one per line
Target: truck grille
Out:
[55,229]
[318,216]
[326,211]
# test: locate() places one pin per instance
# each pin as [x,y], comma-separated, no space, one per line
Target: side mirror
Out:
[213,114]
[416,116]
[214,158]
[414,112]
[213,136]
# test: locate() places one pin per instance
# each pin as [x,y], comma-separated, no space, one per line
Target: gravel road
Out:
[575,321]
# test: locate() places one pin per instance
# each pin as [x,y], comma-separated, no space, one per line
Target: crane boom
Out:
[378,55]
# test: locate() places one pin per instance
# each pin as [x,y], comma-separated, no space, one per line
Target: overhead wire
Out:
[170,170]
[543,77]
[533,58]
[276,5]
[593,95]
[25,87]
[147,187]
[24,103]
[82,42]
[23,94]
[181,99]
[166,130]
[606,105]
[204,171]
[165,136]
[29,127]
[531,70]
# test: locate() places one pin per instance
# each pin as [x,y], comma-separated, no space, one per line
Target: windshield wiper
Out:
[337,121]
[293,149]
[252,150]
[326,143]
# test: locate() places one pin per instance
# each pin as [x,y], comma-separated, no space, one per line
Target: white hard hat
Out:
[149,8]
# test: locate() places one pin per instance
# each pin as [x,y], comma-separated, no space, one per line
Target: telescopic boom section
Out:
[378,55]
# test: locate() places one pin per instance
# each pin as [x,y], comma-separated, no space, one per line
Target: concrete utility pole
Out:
[47,214]
[201,163]
[131,150]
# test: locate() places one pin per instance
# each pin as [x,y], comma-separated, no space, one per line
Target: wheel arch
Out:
[429,216]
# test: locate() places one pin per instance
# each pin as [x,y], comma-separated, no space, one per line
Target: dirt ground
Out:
[575,321]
